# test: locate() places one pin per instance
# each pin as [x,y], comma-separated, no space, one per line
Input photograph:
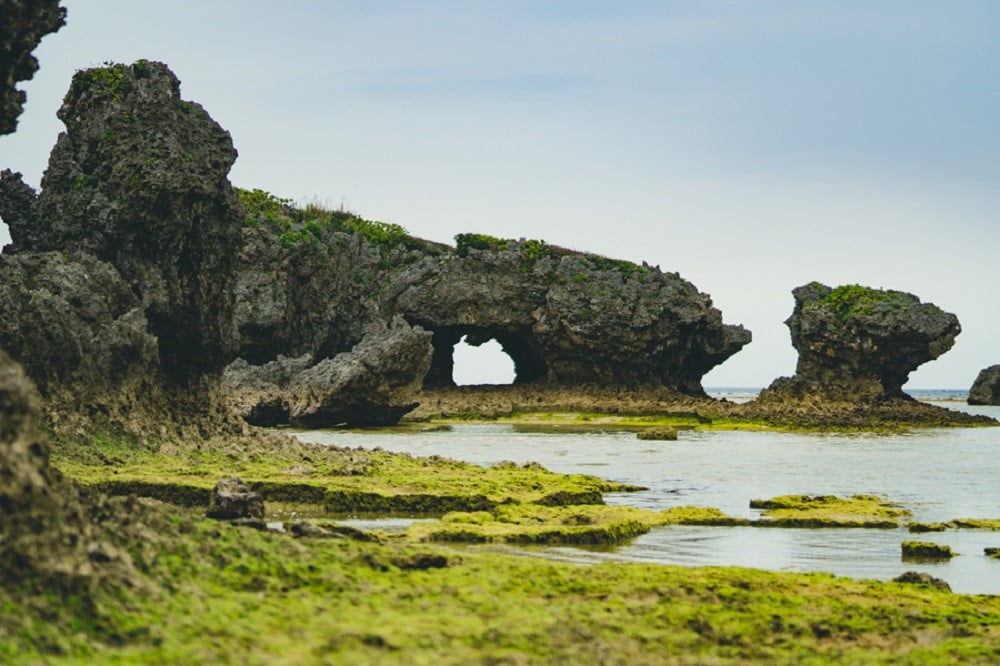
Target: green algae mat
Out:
[220,594]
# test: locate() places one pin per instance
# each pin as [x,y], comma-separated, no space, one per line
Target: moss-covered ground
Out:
[221,594]
[337,480]
[215,593]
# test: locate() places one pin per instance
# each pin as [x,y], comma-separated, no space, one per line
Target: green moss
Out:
[917,528]
[977,523]
[111,81]
[851,300]
[700,515]
[926,550]
[219,593]
[339,480]
[829,511]
[466,242]
[534,524]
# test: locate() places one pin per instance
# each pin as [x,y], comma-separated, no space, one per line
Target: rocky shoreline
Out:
[151,314]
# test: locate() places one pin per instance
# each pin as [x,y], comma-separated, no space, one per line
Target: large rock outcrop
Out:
[313,280]
[986,389]
[375,383]
[857,347]
[23,23]
[139,180]
[566,317]
[118,292]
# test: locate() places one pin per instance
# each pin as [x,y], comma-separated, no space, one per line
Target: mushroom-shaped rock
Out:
[232,499]
[986,389]
[862,341]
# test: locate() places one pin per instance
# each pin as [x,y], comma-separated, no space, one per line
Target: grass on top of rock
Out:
[316,225]
[829,511]
[340,480]
[849,300]
[215,591]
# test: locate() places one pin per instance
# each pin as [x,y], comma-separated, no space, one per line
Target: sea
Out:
[938,474]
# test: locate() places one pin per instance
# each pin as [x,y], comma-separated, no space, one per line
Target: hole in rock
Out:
[486,364]
[4,234]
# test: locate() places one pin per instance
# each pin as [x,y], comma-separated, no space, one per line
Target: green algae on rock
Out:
[339,480]
[829,511]
[926,550]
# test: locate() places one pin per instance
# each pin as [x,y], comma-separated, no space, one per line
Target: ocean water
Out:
[939,474]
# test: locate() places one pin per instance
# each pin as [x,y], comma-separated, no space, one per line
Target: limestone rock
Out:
[860,343]
[47,532]
[23,23]
[373,384]
[72,319]
[921,578]
[139,180]
[659,433]
[232,499]
[986,389]
[567,317]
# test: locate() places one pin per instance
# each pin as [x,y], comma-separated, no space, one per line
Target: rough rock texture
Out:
[232,499]
[922,578]
[373,384]
[986,389]
[72,319]
[567,317]
[23,23]
[117,294]
[47,532]
[857,347]
[855,336]
[139,180]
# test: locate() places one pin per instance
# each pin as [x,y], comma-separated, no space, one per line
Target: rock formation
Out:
[375,383]
[986,389]
[23,23]
[857,347]
[566,318]
[48,533]
[139,180]
[119,287]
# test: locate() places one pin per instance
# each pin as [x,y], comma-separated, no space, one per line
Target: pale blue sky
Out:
[751,146]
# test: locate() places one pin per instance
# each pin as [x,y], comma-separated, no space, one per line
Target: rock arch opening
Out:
[486,363]
[520,347]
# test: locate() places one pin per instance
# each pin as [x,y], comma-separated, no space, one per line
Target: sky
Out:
[750,146]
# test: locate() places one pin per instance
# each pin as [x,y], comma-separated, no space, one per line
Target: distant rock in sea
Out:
[857,347]
[986,389]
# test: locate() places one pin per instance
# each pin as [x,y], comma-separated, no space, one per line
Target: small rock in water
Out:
[232,499]
[659,433]
[992,552]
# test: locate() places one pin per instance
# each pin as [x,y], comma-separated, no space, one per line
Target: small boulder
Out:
[986,389]
[232,499]
[659,433]
[992,552]
[926,550]
[921,578]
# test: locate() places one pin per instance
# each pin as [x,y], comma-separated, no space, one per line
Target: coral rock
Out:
[986,389]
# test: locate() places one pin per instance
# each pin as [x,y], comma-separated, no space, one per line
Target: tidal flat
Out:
[213,592]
